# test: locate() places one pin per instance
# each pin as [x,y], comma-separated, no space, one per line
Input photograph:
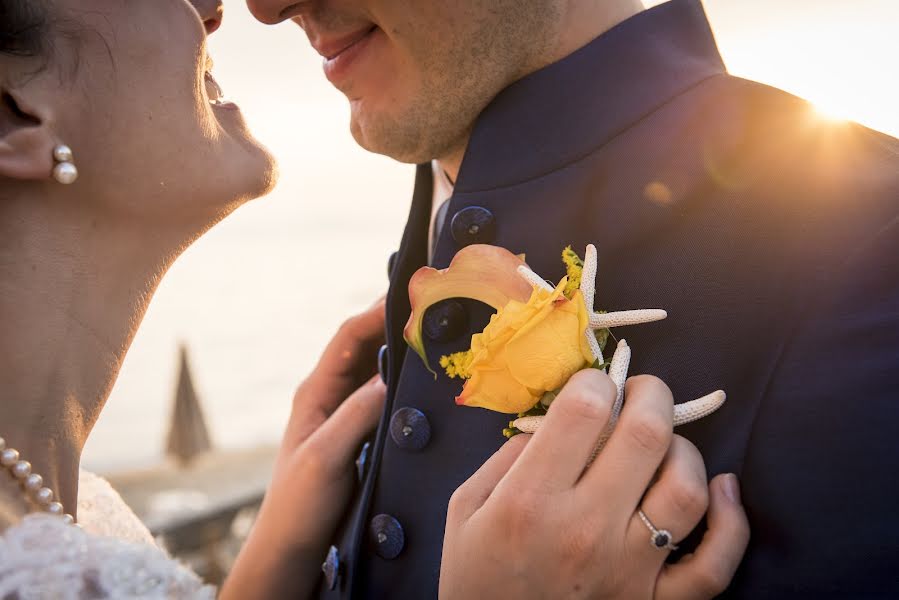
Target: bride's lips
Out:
[341,53]
[215,94]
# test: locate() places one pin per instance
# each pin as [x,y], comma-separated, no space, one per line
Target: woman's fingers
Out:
[675,502]
[350,357]
[708,571]
[472,494]
[619,476]
[336,442]
[560,449]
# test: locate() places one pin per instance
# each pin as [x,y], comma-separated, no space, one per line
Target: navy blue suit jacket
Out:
[771,238]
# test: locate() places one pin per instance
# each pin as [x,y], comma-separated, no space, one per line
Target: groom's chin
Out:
[378,144]
[393,137]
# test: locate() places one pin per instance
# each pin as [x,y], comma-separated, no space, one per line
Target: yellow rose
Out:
[527,349]
[532,345]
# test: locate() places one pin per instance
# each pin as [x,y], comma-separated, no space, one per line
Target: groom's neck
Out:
[582,21]
[452,162]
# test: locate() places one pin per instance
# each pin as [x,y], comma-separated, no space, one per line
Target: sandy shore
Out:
[169,492]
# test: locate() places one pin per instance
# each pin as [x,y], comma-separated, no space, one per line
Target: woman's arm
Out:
[314,472]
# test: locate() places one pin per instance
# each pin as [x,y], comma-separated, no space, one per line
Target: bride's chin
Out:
[267,174]
[255,186]
[258,162]
[251,176]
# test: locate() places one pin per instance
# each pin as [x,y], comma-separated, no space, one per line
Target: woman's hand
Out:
[334,409]
[533,523]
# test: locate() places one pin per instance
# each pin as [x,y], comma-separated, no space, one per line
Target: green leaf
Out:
[601,366]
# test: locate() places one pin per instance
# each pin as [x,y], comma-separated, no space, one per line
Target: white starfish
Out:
[683,413]
[534,279]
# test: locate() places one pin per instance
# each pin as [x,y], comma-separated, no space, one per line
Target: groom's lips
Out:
[340,53]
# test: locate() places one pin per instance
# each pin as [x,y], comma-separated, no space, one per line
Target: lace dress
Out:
[112,556]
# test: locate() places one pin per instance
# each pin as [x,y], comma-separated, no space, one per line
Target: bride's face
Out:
[127,85]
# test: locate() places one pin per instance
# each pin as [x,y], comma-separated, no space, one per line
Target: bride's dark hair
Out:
[23,25]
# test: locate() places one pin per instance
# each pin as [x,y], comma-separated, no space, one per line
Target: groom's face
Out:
[418,72]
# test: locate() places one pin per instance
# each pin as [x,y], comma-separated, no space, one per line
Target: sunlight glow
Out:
[840,56]
[832,111]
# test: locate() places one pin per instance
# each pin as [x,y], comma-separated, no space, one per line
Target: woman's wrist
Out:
[270,566]
[273,532]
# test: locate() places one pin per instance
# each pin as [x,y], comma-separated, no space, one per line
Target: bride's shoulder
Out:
[102,511]
[43,557]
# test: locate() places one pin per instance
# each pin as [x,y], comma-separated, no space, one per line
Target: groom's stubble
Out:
[448,63]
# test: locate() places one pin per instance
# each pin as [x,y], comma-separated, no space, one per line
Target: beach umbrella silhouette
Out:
[188,434]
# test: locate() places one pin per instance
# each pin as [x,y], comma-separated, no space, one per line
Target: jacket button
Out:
[362,461]
[383,363]
[473,225]
[410,429]
[391,265]
[387,536]
[331,567]
[445,321]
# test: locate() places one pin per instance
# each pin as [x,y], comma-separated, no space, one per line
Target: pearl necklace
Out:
[32,483]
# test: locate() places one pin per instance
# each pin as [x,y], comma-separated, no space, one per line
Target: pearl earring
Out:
[65,171]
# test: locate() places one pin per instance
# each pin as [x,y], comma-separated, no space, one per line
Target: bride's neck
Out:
[74,287]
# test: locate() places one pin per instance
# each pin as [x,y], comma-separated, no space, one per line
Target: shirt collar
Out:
[443,190]
[571,108]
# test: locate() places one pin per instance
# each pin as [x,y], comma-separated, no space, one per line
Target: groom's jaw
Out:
[417,74]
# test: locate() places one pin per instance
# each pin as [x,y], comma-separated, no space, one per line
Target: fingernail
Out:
[731,488]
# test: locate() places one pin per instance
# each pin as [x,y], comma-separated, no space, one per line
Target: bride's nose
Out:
[211,13]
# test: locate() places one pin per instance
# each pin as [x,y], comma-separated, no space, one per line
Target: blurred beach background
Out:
[257,298]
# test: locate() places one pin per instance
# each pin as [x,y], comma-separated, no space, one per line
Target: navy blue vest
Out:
[769,236]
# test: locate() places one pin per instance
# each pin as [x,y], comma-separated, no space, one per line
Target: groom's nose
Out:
[211,13]
[275,11]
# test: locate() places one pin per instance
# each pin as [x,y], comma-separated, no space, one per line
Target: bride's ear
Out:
[26,143]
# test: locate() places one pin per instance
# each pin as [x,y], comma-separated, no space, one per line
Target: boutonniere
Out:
[540,335]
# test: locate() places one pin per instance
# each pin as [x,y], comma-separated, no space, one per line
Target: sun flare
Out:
[841,59]
[830,110]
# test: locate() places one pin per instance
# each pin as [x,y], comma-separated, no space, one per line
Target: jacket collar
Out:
[567,110]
